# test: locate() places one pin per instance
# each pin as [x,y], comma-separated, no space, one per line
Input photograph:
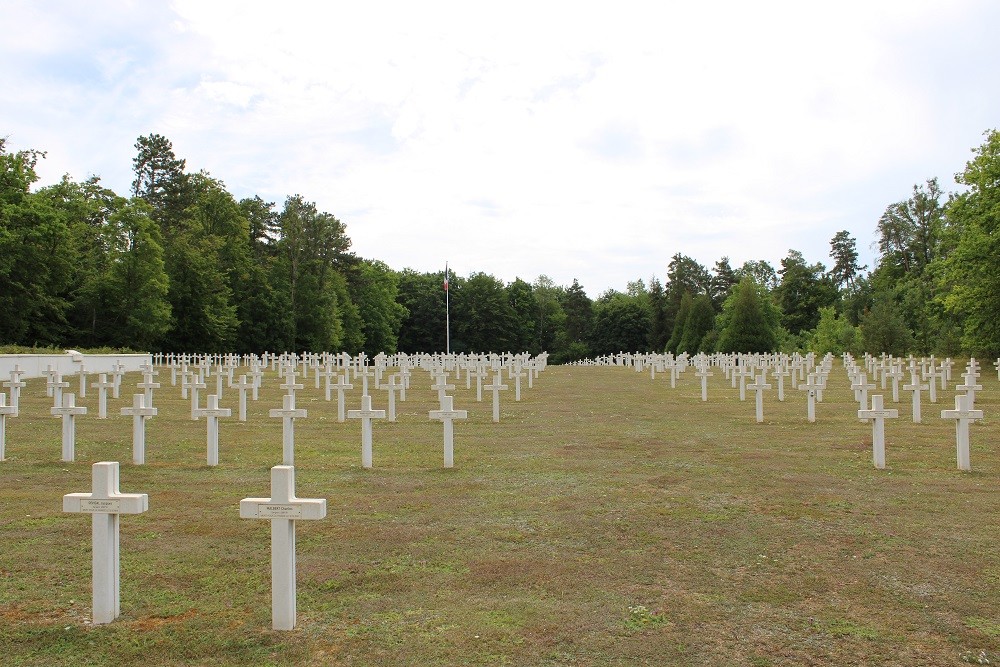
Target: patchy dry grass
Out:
[608,520]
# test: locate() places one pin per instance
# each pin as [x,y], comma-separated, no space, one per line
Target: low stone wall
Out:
[35,365]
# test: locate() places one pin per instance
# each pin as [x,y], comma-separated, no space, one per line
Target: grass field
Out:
[607,520]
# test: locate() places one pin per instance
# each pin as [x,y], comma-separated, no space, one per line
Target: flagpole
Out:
[447,312]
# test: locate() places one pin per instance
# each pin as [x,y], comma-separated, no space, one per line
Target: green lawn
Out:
[607,520]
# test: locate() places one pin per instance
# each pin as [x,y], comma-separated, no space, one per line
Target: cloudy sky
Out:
[576,139]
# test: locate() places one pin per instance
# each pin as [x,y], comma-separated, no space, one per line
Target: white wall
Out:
[35,365]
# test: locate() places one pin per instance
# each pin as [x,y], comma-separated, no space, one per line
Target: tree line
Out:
[179,264]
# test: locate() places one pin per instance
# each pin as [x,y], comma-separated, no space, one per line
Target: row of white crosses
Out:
[926,374]
[963,415]
[106,503]
[142,408]
[740,368]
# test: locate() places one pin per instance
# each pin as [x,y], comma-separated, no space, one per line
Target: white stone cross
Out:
[916,388]
[283,509]
[366,415]
[105,503]
[219,376]
[861,387]
[448,414]
[212,412]
[758,386]
[673,366]
[703,374]
[394,384]
[117,371]
[341,384]
[229,368]
[441,384]
[516,374]
[781,372]
[242,385]
[195,386]
[810,386]
[289,386]
[186,378]
[139,412]
[364,373]
[496,387]
[288,414]
[102,385]
[404,377]
[15,384]
[56,384]
[894,373]
[877,415]
[945,369]
[479,373]
[969,386]
[326,374]
[83,381]
[49,372]
[4,411]
[932,375]
[68,411]
[256,373]
[742,373]
[148,385]
[963,414]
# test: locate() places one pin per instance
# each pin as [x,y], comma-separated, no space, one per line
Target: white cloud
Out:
[558,138]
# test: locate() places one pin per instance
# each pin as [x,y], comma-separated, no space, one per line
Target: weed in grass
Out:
[842,627]
[641,618]
[978,657]
[988,627]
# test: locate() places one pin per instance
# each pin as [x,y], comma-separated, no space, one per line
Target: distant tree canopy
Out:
[178,264]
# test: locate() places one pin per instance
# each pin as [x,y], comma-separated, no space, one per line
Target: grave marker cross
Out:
[448,414]
[105,503]
[4,411]
[496,387]
[758,386]
[366,415]
[811,386]
[283,509]
[340,386]
[877,415]
[68,411]
[243,385]
[212,412]
[963,414]
[56,384]
[916,388]
[441,384]
[195,385]
[148,385]
[290,386]
[288,413]
[102,385]
[703,374]
[139,413]
[15,384]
